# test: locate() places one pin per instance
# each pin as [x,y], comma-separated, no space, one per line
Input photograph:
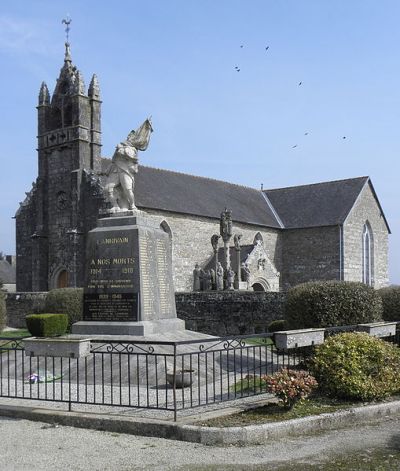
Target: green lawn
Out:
[9,334]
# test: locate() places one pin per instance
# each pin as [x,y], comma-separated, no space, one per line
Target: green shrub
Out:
[332,303]
[47,325]
[357,366]
[279,324]
[290,386]
[391,302]
[66,301]
[3,311]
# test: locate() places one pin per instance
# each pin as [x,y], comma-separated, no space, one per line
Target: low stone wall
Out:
[229,312]
[211,312]
[19,305]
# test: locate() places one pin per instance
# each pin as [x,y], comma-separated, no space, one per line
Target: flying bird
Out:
[294,146]
[344,137]
[300,83]
[241,45]
[306,133]
[237,69]
[267,48]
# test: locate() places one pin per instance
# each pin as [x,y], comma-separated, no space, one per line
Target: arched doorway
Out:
[260,284]
[62,279]
[258,287]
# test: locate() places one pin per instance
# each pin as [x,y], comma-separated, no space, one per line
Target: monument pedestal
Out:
[129,282]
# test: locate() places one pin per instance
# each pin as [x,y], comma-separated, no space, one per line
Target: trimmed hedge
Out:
[277,325]
[47,325]
[355,365]
[332,303]
[66,301]
[391,302]
[3,310]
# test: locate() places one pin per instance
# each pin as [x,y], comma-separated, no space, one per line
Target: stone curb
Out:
[242,436]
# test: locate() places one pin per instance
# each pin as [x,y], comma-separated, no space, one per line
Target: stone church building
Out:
[333,230]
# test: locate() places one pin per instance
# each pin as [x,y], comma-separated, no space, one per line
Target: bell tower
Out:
[69,145]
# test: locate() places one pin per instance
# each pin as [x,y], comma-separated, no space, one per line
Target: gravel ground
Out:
[36,446]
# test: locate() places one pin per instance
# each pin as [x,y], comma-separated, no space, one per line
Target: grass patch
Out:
[249,384]
[273,412]
[259,341]
[10,334]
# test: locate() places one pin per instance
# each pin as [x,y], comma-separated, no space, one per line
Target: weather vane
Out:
[67,22]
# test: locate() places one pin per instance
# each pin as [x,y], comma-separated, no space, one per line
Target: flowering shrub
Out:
[290,386]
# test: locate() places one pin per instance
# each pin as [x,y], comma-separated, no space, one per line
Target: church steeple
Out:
[71,118]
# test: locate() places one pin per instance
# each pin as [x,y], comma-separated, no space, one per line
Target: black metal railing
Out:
[170,376]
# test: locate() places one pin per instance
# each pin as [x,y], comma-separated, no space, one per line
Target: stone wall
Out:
[366,210]
[229,312]
[19,305]
[311,254]
[191,243]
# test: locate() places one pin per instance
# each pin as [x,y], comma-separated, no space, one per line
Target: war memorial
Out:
[174,268]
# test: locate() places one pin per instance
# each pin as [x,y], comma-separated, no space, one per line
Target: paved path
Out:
[36,446]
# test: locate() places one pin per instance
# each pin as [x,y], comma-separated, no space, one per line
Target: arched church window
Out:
[258,239]
[367,255]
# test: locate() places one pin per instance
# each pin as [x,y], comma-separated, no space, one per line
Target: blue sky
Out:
[176,59]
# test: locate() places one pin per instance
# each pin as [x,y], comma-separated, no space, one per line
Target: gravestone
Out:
[128,279]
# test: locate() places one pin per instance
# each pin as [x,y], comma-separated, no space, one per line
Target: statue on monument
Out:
[220,277]
[121,175]
[196,278]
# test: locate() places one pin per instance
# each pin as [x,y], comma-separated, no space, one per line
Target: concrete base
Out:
[66,346]
[141,328]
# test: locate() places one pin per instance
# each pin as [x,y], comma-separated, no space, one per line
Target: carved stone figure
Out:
[207,280]
[245,272]
[225,229]
[220,277]
[120,182]
[230,278]
[213,279]
[196,278]
[236,240]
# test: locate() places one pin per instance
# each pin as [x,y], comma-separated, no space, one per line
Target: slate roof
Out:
[315,205]
[188,194]
[319,204]
[7,272]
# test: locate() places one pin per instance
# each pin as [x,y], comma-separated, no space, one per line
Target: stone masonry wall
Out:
[226,313]
[19,305]
[215,313]
[365,210]
[191,243]
[310,254]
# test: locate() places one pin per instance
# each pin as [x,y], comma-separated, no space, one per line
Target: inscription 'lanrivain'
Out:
[114,240]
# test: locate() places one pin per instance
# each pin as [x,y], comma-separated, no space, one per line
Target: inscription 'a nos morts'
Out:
[110,294]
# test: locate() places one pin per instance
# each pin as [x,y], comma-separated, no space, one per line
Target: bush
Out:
[279,324]
[3,311]
[47,325]
[391,302]
[332,303]
[66,301]
[290,386]
[357,366]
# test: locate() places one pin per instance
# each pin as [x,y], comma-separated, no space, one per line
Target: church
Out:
[334,230]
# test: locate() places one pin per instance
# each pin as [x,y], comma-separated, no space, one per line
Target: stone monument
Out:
[128,278]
